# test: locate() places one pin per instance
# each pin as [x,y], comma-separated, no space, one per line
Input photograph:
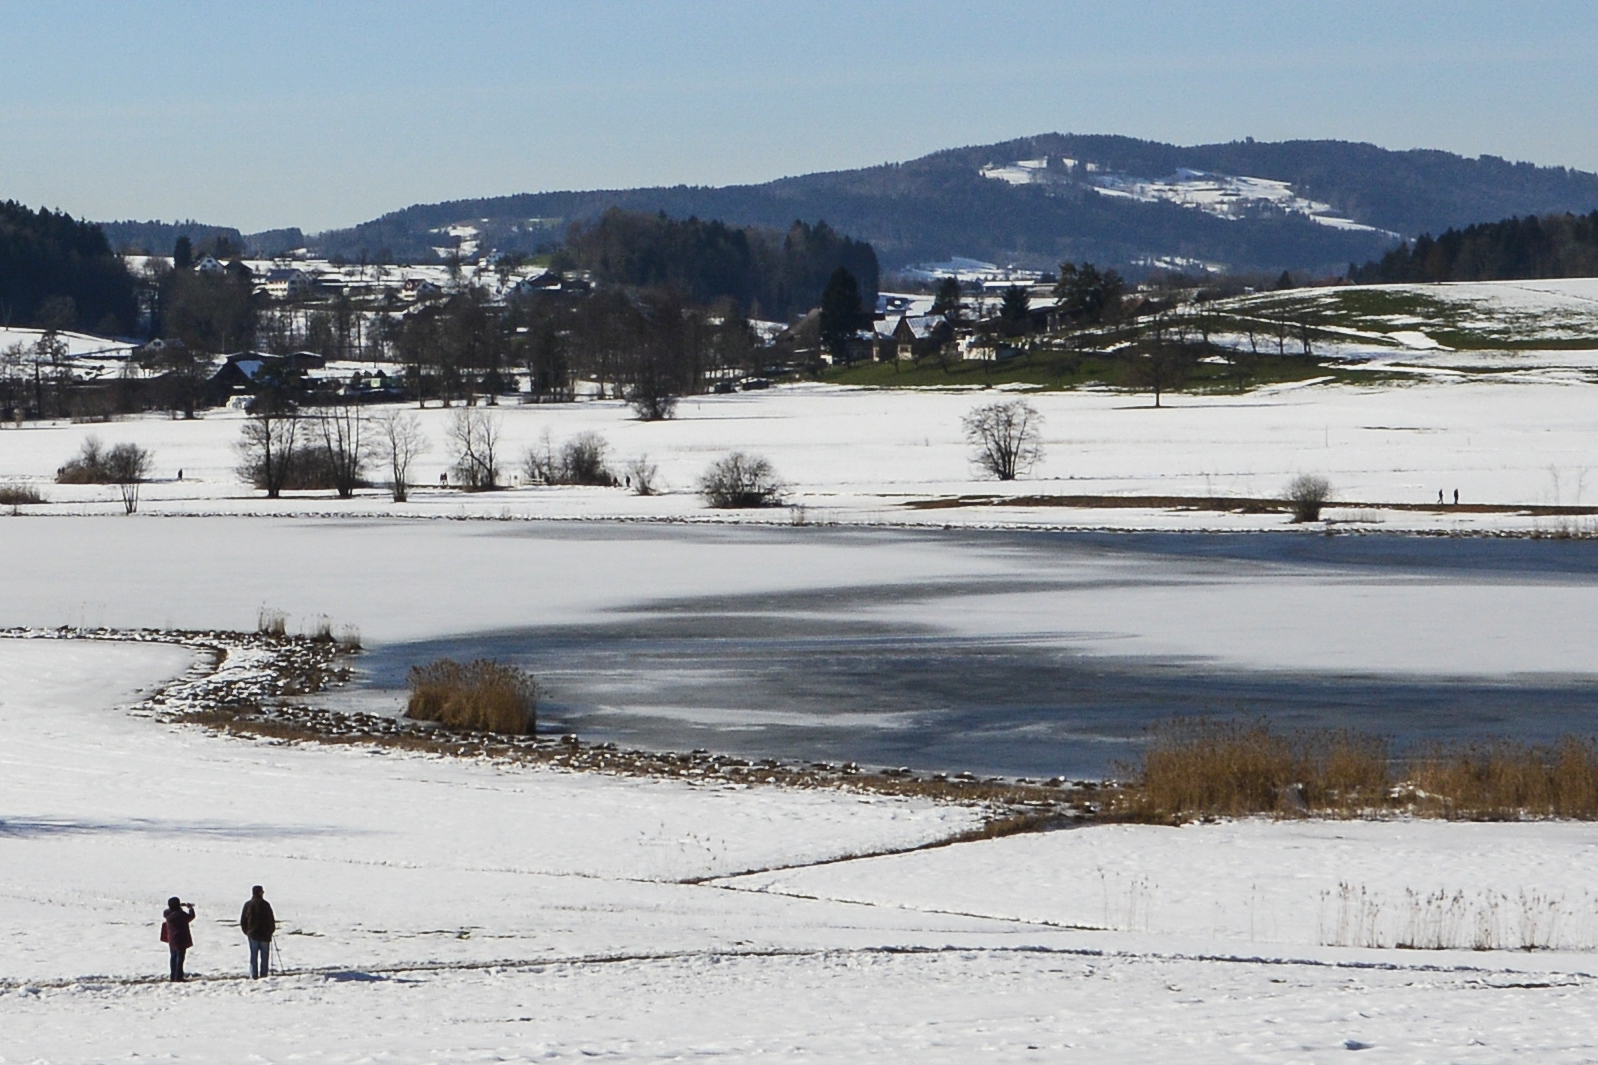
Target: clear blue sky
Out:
[328,113]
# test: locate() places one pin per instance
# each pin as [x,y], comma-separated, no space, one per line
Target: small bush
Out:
[16,495]
[1308,493]
[485,695]
[581,460]
[741,480]
[122,464]
[643,476]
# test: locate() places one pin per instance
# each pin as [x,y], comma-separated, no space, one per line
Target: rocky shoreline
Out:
[253,684]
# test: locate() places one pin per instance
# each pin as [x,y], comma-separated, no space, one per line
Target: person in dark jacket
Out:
[258,923]
[175,933]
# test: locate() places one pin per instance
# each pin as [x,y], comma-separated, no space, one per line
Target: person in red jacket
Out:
[175,933]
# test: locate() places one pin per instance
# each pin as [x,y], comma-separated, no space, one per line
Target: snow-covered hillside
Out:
[1230,196]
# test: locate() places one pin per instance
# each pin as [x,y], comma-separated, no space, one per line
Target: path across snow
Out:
[443,911]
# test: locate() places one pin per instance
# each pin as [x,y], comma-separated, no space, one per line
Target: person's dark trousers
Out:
[177,965]
[260,949]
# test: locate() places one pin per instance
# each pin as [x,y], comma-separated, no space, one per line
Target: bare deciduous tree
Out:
[267,447]
[346,441]
[127,466]
[399,441]
[1006,438]
[474,438]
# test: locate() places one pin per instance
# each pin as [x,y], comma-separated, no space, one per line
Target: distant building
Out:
[208,265]
[911,336]
[287,283]
[547,281]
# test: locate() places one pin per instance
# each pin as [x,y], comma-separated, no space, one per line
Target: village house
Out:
[287,283]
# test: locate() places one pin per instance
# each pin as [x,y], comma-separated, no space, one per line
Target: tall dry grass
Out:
[484,694]
[1199,767]
[1232,768]
[1504,779]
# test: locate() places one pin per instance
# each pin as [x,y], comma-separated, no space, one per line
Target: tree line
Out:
[1555,245]
[767,274]
[57,272]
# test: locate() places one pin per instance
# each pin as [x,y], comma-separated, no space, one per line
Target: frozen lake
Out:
[1030,653]
[1058,660]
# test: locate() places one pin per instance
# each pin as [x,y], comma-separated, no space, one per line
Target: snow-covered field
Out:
[443,910]
[434,910]
[860,456]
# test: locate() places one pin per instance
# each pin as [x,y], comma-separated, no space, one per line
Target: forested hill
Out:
[1563,245]
[56,271]
[1303,205]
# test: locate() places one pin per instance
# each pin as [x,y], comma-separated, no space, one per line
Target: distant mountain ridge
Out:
[1036,201]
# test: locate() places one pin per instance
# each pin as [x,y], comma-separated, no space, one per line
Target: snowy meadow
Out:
[446,909]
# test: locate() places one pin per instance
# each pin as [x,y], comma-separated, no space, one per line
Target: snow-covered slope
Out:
[1229,196]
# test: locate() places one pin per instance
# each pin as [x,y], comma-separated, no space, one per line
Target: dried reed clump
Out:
[16,495]
[1507,780]
[485,695]
[1199,766]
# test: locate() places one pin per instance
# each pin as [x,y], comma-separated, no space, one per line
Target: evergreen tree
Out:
[947,302]
[1014,310]
[1088,296]
[840,314]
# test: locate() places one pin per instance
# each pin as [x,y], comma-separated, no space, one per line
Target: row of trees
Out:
[1559,245]
[283,446]
[764,273]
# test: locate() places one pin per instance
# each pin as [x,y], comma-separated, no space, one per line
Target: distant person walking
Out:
[258,923]
[175,933]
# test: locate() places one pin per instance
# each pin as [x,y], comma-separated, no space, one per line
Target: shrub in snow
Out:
[1006,438]
[125,465]
[740,480]
[581,460]
[1308,493]
[643,476]
[94,464]
[485,695]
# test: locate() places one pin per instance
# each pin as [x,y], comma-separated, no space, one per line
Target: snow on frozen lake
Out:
[459,911]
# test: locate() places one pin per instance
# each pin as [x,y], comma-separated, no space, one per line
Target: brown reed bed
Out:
[1195,768]
[484,695]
